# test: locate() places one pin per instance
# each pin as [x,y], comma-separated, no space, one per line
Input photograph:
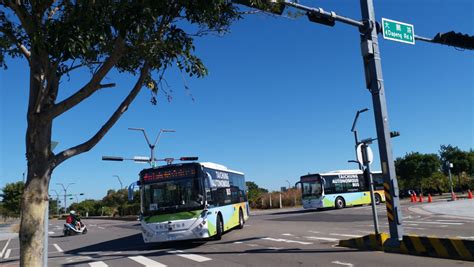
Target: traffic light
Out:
[455,39]
[394,134]
[272,6]
[317,18]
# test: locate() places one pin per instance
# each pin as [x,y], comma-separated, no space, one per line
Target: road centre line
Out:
[193,257]
[343,263]
[5,247]
[286,241]
[98,264]
[100,227]
[287,234]
[146,261]
[7,255]
[314,232]
[465,237]
[447,223]
[322,238]
[346,235]
[58,248]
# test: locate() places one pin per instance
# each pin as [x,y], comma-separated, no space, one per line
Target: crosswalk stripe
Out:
[146,261]
[57,248]
[193,257]
[7,255]
[5,247]
[98,264]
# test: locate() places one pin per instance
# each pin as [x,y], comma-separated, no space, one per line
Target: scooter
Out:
[71,230]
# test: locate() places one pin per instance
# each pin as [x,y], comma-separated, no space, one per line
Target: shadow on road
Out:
[134,243]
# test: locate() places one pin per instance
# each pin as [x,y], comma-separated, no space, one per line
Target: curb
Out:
[428,246]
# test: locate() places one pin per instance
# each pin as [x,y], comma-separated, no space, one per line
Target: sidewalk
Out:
[463,208]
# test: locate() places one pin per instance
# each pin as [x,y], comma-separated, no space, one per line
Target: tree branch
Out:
[93,85]
[89,144]
[20,46]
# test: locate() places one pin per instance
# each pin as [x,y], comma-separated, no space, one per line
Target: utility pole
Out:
[375,84]
[150,145]
[65,193]
[120,181]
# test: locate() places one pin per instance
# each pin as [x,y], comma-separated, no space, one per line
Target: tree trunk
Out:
[32,223]
[40,167]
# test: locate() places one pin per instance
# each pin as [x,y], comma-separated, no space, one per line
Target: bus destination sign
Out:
[169,173]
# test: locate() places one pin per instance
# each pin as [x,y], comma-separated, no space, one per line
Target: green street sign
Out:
[398,31]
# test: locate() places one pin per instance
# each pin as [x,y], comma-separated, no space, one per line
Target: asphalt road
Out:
[292,237]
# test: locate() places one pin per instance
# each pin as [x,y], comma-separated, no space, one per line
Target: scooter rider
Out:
[73,220]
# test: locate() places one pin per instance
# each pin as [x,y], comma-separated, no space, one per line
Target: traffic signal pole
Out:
[375,84]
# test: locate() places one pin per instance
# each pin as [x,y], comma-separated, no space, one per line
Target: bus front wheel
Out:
[339,203]
[378,199]
[219,228]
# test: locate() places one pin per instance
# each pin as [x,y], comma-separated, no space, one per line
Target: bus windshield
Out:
[171,195]
[311,188]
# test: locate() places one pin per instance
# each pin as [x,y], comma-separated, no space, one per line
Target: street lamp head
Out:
[167,130]
[363,110]
[136,129]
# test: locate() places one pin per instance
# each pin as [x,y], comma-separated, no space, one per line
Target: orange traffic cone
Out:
[429,198]
[469,194]
[453,196]
[421,198]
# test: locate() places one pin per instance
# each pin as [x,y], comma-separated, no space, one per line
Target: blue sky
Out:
[278,103]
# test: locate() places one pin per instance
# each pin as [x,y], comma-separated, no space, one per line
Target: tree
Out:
[415,167]
[459,159]
[57,38]
[12,193]
[254,192]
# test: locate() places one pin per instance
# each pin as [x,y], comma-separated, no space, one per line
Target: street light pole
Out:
[120,181]
[354,130]
[57,201]
[65,193]
[150,145]
[375,84]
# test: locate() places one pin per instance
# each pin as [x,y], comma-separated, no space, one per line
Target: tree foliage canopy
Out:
[12,198]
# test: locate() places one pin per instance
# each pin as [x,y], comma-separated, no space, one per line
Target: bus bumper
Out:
[159,232]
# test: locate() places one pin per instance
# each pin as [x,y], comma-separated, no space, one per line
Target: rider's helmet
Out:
[72,212]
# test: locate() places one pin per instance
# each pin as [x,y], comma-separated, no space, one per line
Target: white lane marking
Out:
[451,221]
[98,264]
[343,263]
[51,233]
[447,223]
[5,247]
[58,248]
[7,255]
[322,238]
[252,245]
[193,257]
[465,237]
[416,228]
[346,235]
[238,242]
[274,248]
[146,261]
[92,224]
[100,227]
[287,234]
[412,224]
[286,241]
[365,232]
[314,232]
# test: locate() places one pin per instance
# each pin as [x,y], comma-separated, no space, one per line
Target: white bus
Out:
[339,189]
[191,201]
